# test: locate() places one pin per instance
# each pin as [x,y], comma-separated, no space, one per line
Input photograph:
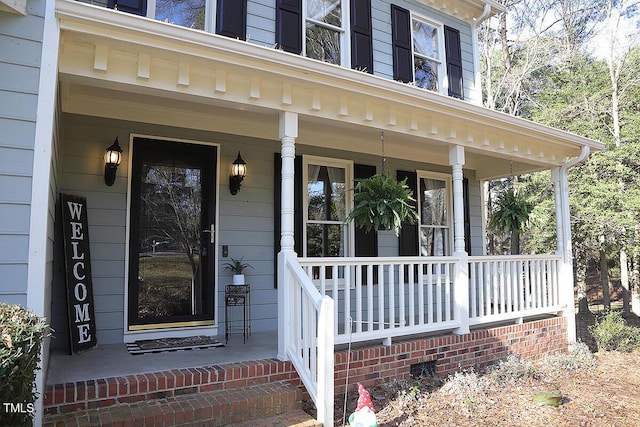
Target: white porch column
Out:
[461,274]
[563,227]
[288,134]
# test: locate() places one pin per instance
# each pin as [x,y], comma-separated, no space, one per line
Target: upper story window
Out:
[326,204]
[427,54]
[225,17]
[325,30]
[435,214]
[335,31]
[191,13]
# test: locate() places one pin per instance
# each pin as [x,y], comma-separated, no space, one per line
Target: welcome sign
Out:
[82,324]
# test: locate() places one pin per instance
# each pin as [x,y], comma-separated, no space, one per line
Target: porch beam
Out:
[288,132]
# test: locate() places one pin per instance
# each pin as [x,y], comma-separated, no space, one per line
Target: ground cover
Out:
[597,389]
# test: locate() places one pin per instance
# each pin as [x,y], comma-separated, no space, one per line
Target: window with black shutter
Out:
[231,18]
[361,36]
[401,44]
[454,62]
[137,7]
[366,242]
[408,240]
[289,25]
[426,53]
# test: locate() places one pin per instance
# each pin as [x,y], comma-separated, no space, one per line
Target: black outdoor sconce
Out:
[112,159]
[238,172]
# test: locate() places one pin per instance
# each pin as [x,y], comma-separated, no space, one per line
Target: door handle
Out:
[212,233]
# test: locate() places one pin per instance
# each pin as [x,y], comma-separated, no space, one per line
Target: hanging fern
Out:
[510,212]
[383,203]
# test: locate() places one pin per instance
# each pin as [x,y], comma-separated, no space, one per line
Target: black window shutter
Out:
[137,7]
[467,217]
[366,243]
[361,36]
[401,44]
[408,241]
[454,62]
[231,18]
[277,204]
[289,25]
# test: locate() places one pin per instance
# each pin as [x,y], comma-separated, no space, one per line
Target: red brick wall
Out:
[377,364]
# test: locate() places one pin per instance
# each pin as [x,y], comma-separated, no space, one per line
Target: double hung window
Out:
[326,205]
[427,54]
[189,13]
[435,214]
[325,30]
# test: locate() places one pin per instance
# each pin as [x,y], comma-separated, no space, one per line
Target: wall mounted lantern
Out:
[112,159]
[238,172]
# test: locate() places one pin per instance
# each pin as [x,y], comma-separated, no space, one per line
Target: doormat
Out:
[172,344]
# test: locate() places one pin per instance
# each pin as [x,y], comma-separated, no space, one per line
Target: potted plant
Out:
[237,266]
[382,203]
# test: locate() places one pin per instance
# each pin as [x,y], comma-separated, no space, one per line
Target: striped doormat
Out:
[172,344]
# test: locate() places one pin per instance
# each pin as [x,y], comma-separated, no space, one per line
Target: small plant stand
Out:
[237,296]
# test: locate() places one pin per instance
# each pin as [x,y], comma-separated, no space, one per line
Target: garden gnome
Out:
[364,415]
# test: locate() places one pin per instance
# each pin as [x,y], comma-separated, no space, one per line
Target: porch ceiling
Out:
[119,66]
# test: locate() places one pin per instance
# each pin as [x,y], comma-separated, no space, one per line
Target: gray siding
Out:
[20,55]
[261,22]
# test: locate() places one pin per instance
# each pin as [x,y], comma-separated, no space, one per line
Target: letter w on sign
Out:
[80,309]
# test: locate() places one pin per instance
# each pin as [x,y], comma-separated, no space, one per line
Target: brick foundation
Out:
[376,364]
[369,365]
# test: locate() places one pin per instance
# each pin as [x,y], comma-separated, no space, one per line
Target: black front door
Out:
[171,238]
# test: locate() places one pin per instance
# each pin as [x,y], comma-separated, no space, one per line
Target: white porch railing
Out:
[310,345]
[381,298]
[512,287]
[339,300]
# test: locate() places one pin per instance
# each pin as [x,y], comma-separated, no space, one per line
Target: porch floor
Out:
[114,360]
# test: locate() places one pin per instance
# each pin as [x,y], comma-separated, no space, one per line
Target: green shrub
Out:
[21,335]
[611,333]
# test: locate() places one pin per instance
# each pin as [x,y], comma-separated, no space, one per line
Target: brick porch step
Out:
[269,404]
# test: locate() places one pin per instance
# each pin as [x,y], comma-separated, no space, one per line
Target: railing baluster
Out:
[472,290]
[358,298]
[381,298]
[412,293]
[370,297]
[421,319]
[347,297]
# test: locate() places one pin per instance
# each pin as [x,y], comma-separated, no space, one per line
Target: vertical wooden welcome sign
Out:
[82,324]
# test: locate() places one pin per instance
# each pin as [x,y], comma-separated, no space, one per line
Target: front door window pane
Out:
[186,13]
[169,264]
